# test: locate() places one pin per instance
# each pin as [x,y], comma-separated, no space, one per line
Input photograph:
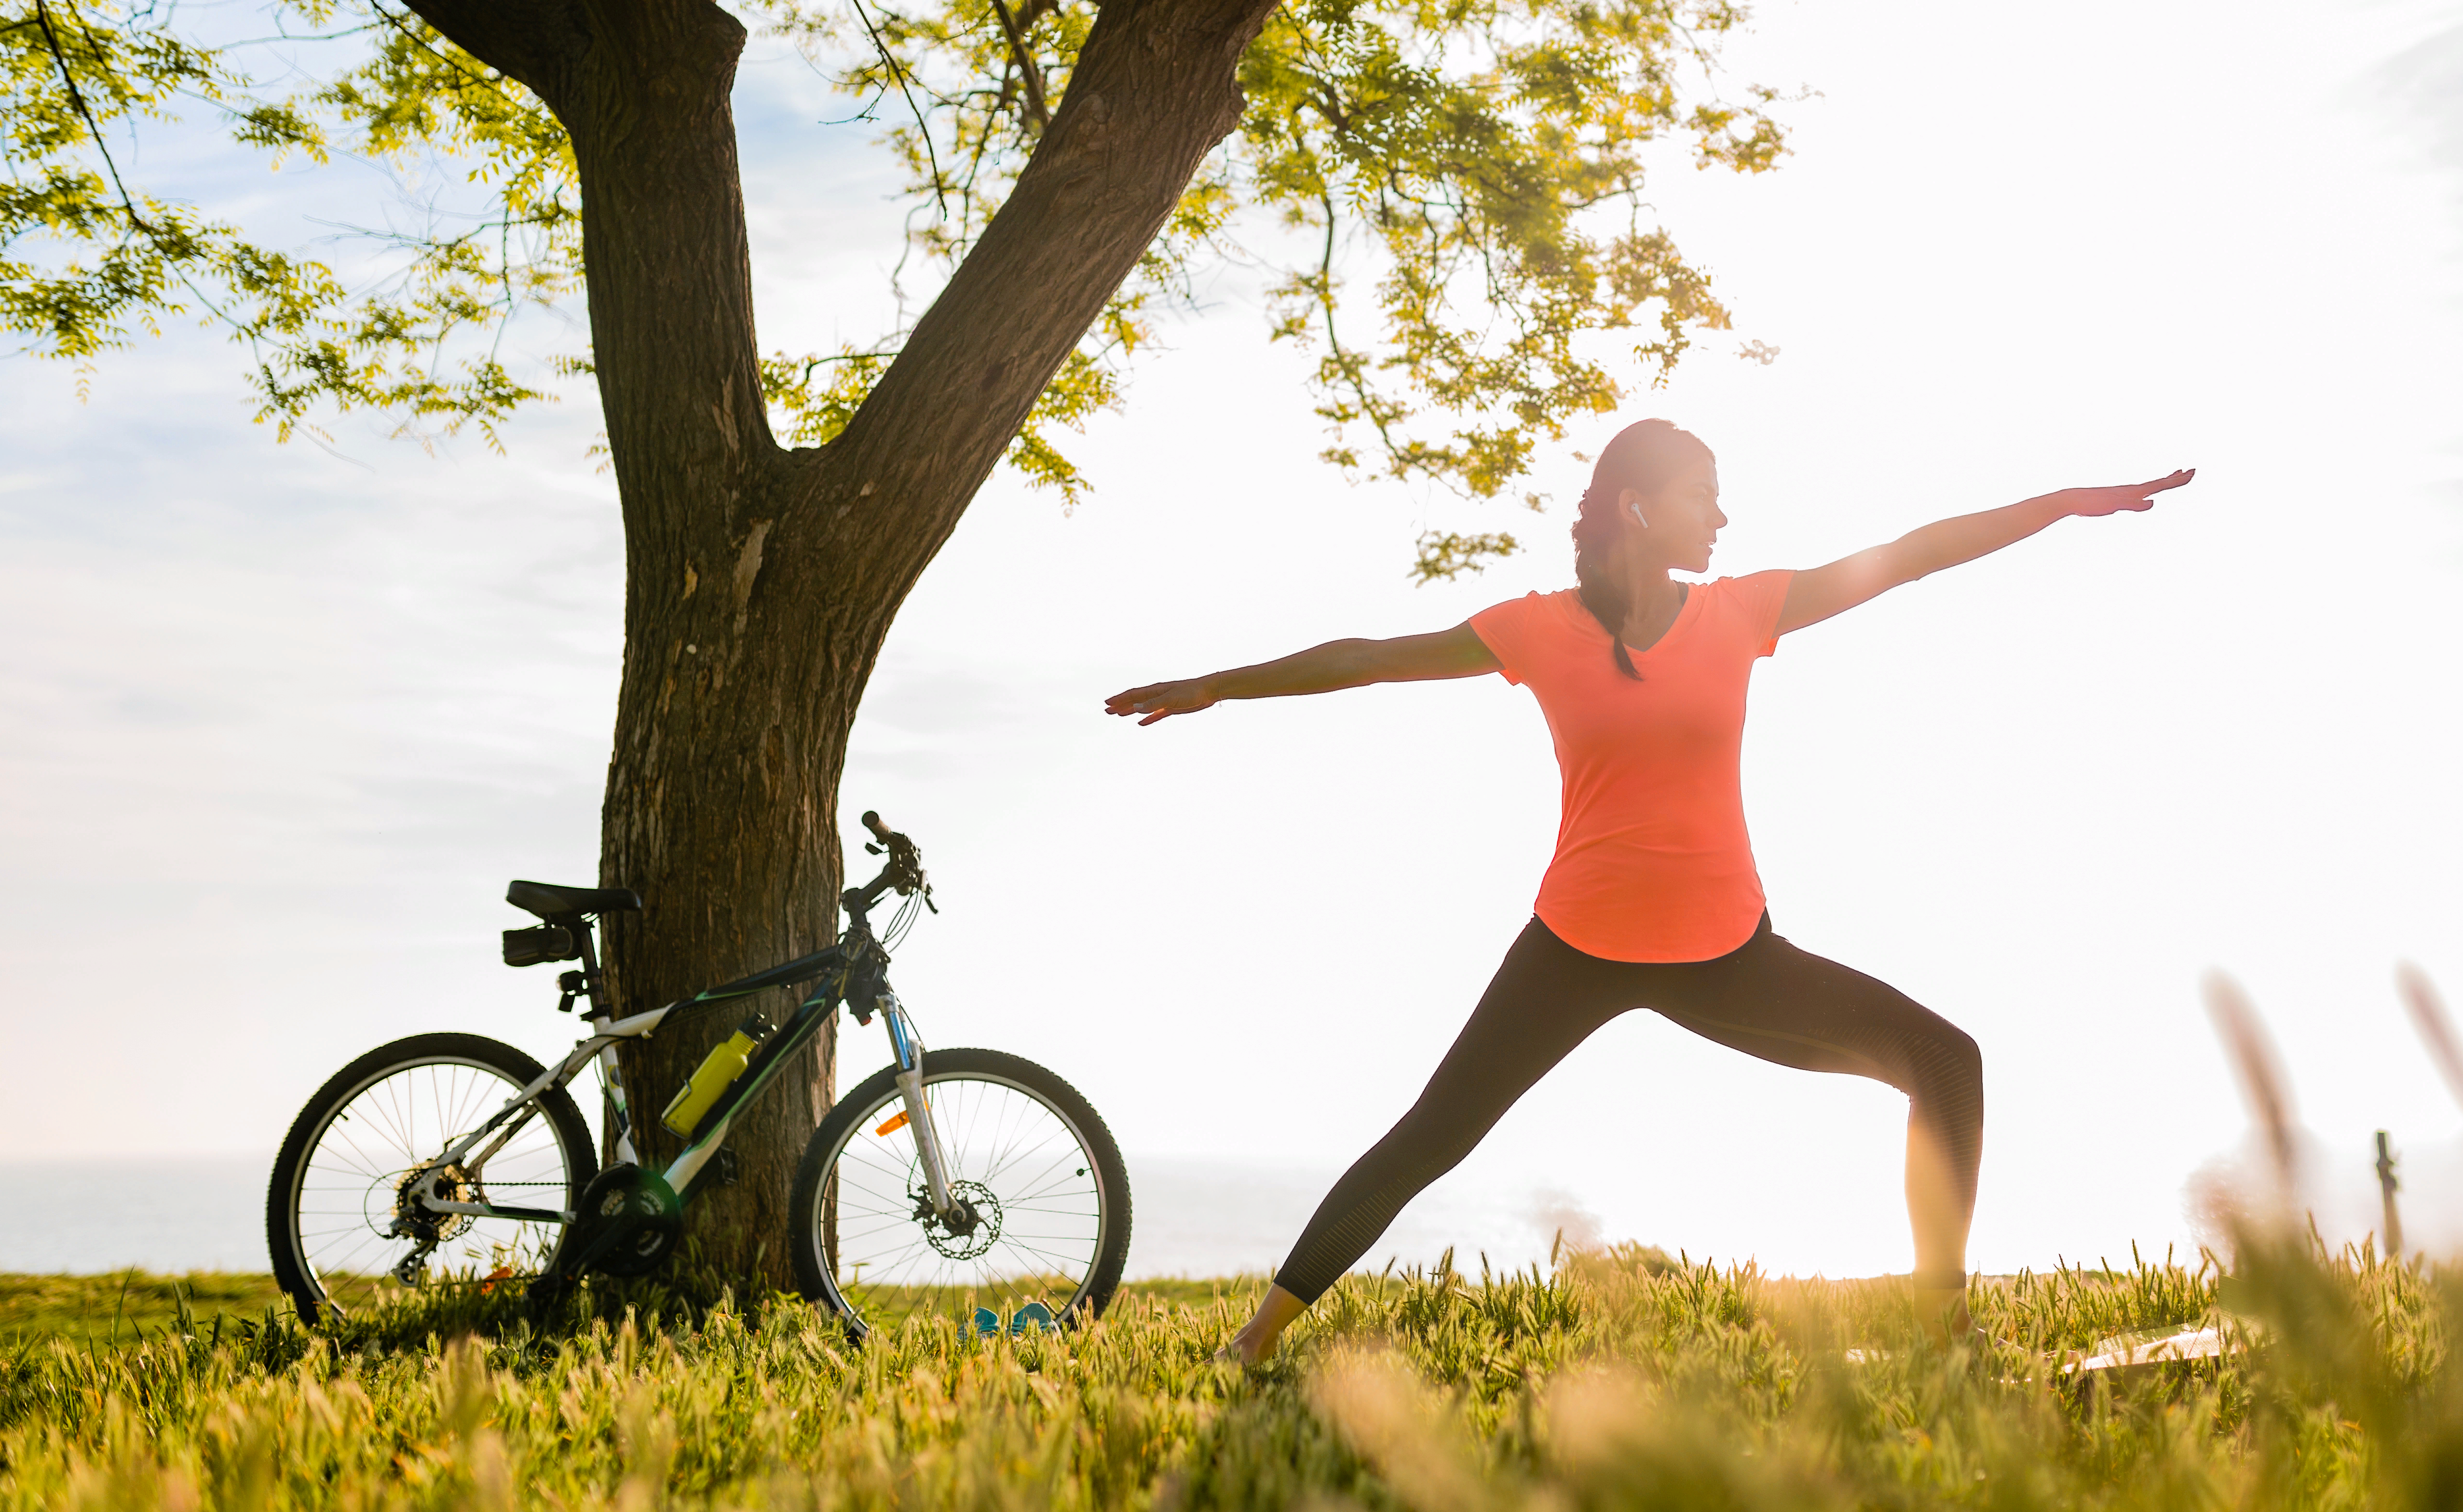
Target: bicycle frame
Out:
[850,971]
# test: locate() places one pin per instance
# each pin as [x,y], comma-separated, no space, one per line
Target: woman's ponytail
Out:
[1642,456]
[1596,532]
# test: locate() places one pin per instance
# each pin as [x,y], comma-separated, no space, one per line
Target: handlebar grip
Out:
[872,822]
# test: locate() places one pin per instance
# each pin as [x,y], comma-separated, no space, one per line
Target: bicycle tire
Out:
[816,1272]
[296,1269]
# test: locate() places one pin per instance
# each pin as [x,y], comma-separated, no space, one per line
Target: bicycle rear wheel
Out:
[338,1222]
[1032,1158]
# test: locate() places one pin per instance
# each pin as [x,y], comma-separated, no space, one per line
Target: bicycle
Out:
[441,1149]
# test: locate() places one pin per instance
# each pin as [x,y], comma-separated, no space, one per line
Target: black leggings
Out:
[1765,997]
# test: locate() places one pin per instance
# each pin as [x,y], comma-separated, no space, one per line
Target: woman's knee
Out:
[1964,1052]
[1952,1067]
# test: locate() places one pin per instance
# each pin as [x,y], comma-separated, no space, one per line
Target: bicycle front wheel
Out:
[340,1217]
[1046,1214]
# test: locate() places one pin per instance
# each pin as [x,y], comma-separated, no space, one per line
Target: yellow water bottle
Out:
[724,1064]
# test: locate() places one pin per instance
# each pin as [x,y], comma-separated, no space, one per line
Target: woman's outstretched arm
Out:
[1817,594]
[1456,653]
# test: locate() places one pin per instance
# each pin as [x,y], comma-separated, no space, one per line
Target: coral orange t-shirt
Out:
[1652,861]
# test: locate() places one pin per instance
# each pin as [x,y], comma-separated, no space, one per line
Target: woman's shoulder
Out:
[1748,607]
[1753,592]
[1761,582]
[1536,605]
[1533,630]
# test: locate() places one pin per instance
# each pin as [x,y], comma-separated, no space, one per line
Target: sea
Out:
[1192,1218]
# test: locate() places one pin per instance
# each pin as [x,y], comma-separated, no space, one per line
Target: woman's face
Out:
[1678,523]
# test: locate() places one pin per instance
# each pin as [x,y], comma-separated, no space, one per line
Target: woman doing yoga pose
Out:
[1652,900]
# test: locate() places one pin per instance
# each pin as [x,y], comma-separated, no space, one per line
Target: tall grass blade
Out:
[2429,1019]
[2263,1085]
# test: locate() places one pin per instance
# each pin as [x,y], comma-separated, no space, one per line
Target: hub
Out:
[396,1207]
[974,1225]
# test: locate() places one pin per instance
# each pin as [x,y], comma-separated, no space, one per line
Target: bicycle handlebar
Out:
[904,871]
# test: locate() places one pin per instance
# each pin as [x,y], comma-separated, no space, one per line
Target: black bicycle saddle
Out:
[548,900]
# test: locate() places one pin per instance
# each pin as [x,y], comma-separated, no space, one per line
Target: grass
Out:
[1620,1381]
[124,1307]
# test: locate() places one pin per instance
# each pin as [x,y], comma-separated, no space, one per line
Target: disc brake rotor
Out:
[965,1240]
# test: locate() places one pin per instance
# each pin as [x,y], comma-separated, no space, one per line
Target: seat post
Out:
[593,984]
[616,1134]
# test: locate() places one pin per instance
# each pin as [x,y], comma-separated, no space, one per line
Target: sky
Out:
[278,721]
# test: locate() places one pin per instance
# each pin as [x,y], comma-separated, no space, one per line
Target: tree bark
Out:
[760,582]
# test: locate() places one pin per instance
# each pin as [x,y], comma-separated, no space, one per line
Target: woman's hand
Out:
[1161,701]
[2088,503]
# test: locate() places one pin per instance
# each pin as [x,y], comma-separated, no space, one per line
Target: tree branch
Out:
[642,88]
[528,40]
[898,76]
[94,128]
[1153,91]
[1027,71]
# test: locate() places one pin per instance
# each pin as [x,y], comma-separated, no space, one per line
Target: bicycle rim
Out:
[1028,1169]
[345,1192]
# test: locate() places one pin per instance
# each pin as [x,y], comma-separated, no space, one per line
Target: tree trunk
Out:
[760,582]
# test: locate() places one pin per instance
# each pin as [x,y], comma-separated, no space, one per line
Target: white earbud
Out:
[1635,509]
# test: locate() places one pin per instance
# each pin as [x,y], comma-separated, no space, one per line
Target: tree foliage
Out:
[85,255]
[1445,199]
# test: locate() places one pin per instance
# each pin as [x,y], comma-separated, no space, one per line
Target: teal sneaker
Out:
[986,1323]
[1034,1315]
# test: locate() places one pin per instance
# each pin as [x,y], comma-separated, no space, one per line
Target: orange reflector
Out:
[894,1125]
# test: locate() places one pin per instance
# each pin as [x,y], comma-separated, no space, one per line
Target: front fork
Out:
[909,1049]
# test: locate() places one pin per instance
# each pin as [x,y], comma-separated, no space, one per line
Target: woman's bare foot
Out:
[1255,1343]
